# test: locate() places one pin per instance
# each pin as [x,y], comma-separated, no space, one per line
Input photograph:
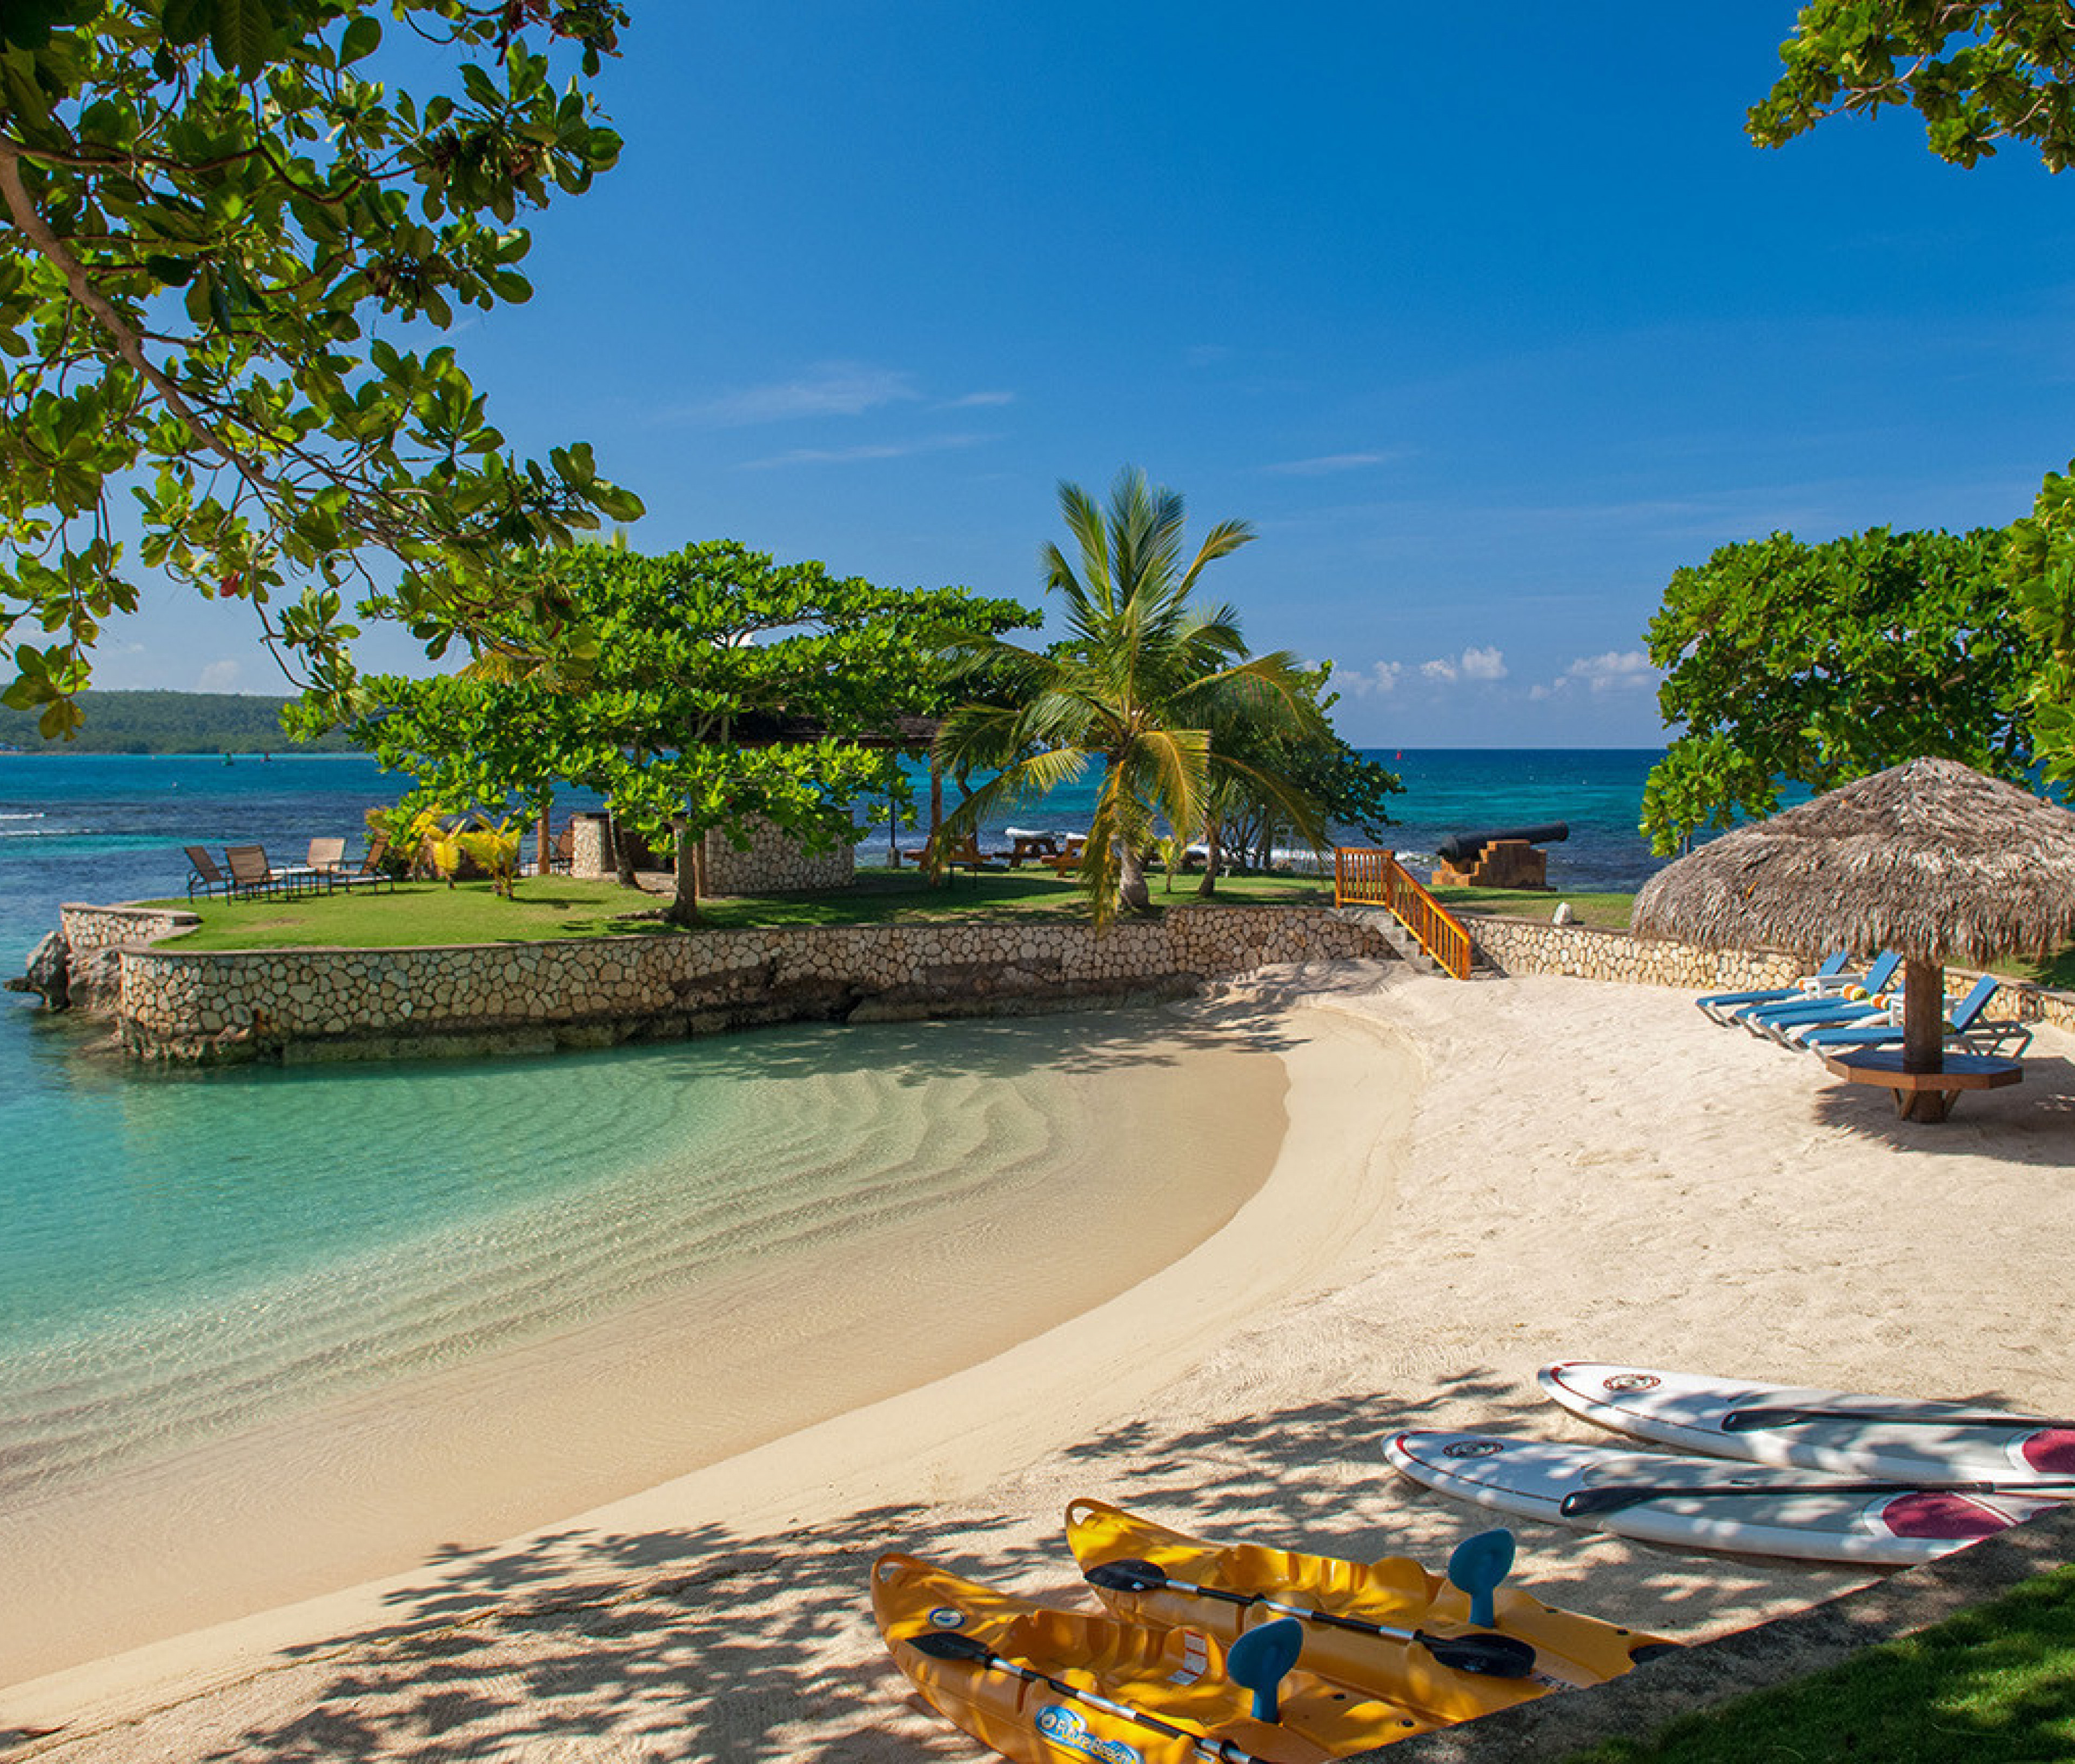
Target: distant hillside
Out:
[169,722]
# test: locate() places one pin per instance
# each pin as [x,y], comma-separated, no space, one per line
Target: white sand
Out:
[1588,1171]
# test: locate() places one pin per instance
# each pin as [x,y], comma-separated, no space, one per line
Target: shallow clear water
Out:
[215,1250]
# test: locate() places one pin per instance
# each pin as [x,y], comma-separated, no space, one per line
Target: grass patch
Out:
[555,906]
[1995,1685]
[1600,912]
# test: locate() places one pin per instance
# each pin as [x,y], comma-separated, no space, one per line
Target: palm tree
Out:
[1139,686]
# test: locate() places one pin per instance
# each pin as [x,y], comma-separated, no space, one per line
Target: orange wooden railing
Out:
[1363,877]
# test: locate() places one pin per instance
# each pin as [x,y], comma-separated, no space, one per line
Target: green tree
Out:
[1304,757]
[1137,686]
[727,689]
[208,201]
[1818,664]
[1979,72]
[2041,561]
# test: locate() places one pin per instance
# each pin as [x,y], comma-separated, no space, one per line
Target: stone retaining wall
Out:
[89,928]
[1528,946]
[772,863]
[375,1002]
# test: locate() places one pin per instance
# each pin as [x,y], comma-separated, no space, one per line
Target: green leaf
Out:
[362,38]
[243,37]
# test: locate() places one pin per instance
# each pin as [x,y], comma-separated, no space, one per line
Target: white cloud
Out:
[978,401]
[1616,670]
[870,450]
[1380,677]
[1326,464]
[221,675]
[831,389]
[1473,663]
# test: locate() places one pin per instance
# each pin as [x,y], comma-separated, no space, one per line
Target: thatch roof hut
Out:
[1931,859]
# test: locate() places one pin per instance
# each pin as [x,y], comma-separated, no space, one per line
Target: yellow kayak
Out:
[1043,1685]
[1387,1629]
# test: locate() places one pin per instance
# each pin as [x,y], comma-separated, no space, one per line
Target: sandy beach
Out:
[1477,1178]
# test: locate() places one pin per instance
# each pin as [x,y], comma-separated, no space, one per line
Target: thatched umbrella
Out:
[1931,859]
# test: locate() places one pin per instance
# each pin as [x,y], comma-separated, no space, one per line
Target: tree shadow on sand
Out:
[703,1642]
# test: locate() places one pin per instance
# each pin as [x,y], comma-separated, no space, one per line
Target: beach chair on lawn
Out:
[1966,1028]
[325,859]
[250,873]
[204,877]
[372,873]
[1723,1006]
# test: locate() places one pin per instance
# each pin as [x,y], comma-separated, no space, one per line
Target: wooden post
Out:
[1922,1015]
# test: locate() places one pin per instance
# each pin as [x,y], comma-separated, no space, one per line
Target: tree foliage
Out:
[1818,664]
[1304,756]
[208,204]
[1140,686]
[726,690]
[2041,561]
[1979,72]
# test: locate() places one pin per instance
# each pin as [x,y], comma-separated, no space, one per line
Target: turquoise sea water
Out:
[182,1254]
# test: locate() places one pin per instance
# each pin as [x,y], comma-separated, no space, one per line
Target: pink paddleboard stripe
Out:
[2053,1449]
[1935,1514]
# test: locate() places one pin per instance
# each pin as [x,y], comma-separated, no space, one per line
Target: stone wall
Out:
[1530,946]
[773,865]
[87,928]
[373,1002]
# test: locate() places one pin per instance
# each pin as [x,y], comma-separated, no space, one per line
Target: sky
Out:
[1487,319]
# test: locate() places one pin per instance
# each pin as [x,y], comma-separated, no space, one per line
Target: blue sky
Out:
[1487,322]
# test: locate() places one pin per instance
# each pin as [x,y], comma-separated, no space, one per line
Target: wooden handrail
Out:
[1366,876]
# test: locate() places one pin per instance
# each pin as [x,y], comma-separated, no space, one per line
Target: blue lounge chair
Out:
[1722,1006]
[1964,1026]
[1775,1019]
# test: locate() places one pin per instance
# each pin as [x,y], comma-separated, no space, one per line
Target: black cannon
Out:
[1462,847]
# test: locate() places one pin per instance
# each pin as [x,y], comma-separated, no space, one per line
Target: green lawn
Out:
[556,906]
[1995,1685]
[1601,911]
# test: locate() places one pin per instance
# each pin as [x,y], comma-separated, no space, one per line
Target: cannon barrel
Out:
[1462,847]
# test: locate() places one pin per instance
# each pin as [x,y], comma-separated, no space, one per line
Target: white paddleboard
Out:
[1812,1517]
[1899,1438]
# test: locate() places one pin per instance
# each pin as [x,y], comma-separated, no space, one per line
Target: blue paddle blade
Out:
[1477,1567]
[1261,1659]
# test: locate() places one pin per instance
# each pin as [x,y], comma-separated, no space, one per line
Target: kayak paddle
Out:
[1492,1656]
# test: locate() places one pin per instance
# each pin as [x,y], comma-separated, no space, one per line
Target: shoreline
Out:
[942,1437]
[1649,1188]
